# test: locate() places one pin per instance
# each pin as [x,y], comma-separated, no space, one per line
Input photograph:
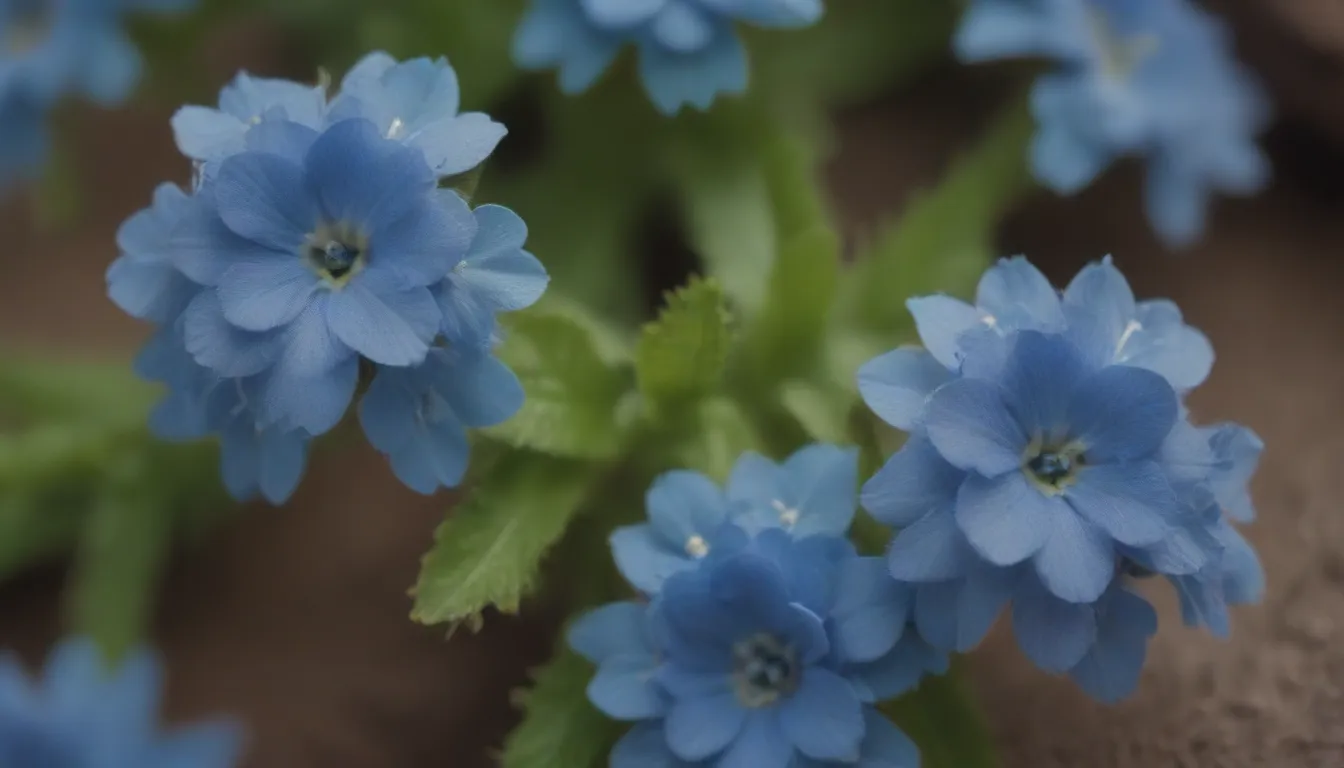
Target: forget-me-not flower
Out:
[689,51]
[314,247]
[1155,79]
[1051,464]
[813,492]
[769,652]
[416,102]
[81,713]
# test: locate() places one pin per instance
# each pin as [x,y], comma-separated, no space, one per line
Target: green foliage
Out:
[712,437]
[570,388]
[681,356]
[560,727]
[941,718]
[489,549]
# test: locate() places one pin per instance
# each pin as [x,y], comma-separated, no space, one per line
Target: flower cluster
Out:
[1150,78]
[1051,464]
[53,48]
[766,639]
[316,250]
[83,714]
[689,51]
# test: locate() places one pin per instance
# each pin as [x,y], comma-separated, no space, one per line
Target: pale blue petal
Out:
[456,145]
[202,133]
[645,746]
[283,456]
[390,329]
[931,549]
[683,504]
[264,198]
[1099,306]
[885,745]
[1038,381]
[700,728]
[1007,519]
[676,79]
[971,426]
[1131,502]
[614,629]
[616,14]
[387,411]
[936,612]
[940,320]
[992,29]
[202,745]
[1078,560]
[984,593]
[224,348]
[265,291]
[482,391]
[363,179]
[899,671]
[897,384]
[1176,201]
[821,484]
[1065,161]
[1122,414]
[760,743]
[1053,633]
[680,26]
[1019,297]
[823,718]
[117,70]
[915,481]
[497,271]
[1165,345]
[783,14]
[644,559]
[870,610]
[624,689]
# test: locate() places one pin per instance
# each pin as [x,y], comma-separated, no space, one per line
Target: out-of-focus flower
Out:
[1156,79]
[689,51]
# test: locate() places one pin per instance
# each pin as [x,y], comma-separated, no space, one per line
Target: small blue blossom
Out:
[1150,78]
[313,249]
[205,134]
[770,652]
[689,51]
[80,713]
[416,102]
[418,416]
[813,492]
[1039,417]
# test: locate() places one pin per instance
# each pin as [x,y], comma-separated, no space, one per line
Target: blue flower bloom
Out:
[80,713]
[496,275]
[416,102]
[1149,78]
[813,492]
[326,255]
[418,415]
[205,134]
[771,652]
[1036,417]
[689,52]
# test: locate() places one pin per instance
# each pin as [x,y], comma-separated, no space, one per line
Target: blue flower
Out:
[1050,465]
[813,492]
[418,416]
[689,51]
[80,713]
[770,652]
[416,102]
[327,254]
[1149,78]
[496,275]
[205,134]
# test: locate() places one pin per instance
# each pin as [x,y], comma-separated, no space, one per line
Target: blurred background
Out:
[295,619]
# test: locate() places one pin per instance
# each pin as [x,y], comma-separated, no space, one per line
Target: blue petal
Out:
[675,79]
[769,13]
[821,484]
[823,718]
[1121,413]
[1243,576]
[1053,633]
[222,347]
[239,462]
[1176,201]
[885,745]
[556,32]
[1007,519]
[419,248]
[202,133]
[266,291]
[200,745]
[644,559]
[389,328]
[992,29]
[497,271]
[285,138]
[117,67]
[281,463]
[1099,306]
[971,426]
[1131,501]
[615,14]
[916,480]
[1019,297]
[983,595]
[443,449]
[760,743]
[700,728]
[264,198]
[147,290]
[897,384]
[1167,346]
[615,629]
[870,610]
[899,671]
[936,612]
[941,320]
[1077,562]
[1065,161]
[458,144]
[623,688]
[363,179]
[931,549]
[313,382]
[387,411]
[1238,450]
[681,27]
[482,391]
[645,746]
[683,504]
[1111,669]
[1038,379]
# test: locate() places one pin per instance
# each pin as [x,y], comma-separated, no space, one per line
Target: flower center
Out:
[26,28]
[1120,54]
[336,252]
[788,516]
[1051,469]
[764,670]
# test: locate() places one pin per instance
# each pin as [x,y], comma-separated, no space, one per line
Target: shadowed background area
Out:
[296,618]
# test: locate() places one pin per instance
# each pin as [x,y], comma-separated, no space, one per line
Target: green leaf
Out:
[943,720]
[121,552]
[945,239]
[572,391]
[489,549]
[561,727]
[822,412]
[713,437]
[681,356]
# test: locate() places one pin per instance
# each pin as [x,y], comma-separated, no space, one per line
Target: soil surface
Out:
[296,618]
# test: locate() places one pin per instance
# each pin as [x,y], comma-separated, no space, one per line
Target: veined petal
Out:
[940,320]
[1132,502]
[896,385]
[265,199]
[1006,519]
[391,329]
[971,426]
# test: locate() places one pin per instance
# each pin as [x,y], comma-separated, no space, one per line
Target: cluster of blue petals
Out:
[50,49]
[763,640]
[81,714]
[318,250]
[1155,79]
[689,50]
[1051,465]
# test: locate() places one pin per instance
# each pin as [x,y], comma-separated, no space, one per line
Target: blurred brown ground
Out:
[296,618]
